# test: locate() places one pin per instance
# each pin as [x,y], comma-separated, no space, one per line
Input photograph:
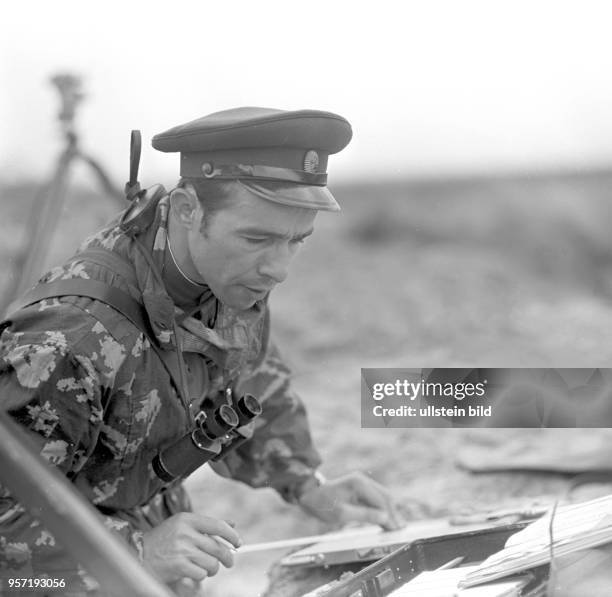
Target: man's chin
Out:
[241,298]
[239,304]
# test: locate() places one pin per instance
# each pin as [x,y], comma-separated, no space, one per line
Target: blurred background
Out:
[475,196]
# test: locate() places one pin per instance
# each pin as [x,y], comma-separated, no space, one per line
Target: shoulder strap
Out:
[132,186]
[119,300]
[111,261]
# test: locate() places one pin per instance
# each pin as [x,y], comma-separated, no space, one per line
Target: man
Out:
[112,397]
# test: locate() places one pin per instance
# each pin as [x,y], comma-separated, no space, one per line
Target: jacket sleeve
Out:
[280,454]
[57,393]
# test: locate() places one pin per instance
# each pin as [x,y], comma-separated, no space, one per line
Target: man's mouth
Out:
[258,290]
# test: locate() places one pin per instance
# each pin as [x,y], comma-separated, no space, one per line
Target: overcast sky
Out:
[431,87]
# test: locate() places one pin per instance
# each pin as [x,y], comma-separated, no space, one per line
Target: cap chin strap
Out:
[178,267]
[272,173]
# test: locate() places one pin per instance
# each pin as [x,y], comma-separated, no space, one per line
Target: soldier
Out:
[161,318]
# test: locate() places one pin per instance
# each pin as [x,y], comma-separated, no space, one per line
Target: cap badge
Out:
[311,161]
[208,170]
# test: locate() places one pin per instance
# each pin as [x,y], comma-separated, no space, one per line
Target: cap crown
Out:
[250,127]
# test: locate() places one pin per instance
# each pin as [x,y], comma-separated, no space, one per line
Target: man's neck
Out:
[182,288]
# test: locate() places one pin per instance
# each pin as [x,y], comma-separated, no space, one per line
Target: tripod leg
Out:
[107,186]
[40,228]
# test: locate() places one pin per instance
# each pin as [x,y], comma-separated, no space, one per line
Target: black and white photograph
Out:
[306,299]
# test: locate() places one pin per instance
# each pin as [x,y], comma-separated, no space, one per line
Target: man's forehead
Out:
[246,211]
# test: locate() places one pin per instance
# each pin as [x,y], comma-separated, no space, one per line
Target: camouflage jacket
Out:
[93,393]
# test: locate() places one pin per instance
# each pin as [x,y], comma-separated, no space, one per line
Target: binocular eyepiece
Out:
[217,431]
[223,419]
[248,408]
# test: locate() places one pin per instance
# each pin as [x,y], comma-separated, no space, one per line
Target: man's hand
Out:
[352,497]
[184,545]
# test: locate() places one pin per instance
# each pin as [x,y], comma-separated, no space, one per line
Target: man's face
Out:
[246,248]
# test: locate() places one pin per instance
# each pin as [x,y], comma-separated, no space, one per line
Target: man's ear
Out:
[186,206]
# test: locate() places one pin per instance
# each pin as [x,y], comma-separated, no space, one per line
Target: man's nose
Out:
[275,263]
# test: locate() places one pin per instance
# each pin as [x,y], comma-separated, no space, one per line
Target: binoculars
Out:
[217,431]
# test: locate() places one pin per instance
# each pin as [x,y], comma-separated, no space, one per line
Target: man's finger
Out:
[213,526]
[214,547]
[353,512]
[371,493]
[205,561]
[410,508]
[191,570]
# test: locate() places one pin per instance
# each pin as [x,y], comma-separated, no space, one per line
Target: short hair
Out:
[213,195]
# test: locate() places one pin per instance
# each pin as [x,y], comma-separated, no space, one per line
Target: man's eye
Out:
[255,240]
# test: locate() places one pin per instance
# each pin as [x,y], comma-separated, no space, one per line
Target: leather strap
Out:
[248,171]
[116,298]
[119,300]
[112,262]
[132,186]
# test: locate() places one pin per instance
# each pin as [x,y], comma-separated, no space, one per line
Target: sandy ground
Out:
[491,272]
[502,273]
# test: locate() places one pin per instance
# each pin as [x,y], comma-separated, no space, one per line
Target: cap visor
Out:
[293,195]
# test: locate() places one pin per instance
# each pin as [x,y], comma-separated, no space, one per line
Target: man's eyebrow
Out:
[262,232]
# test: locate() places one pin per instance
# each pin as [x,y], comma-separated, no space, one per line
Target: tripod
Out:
[47,206]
